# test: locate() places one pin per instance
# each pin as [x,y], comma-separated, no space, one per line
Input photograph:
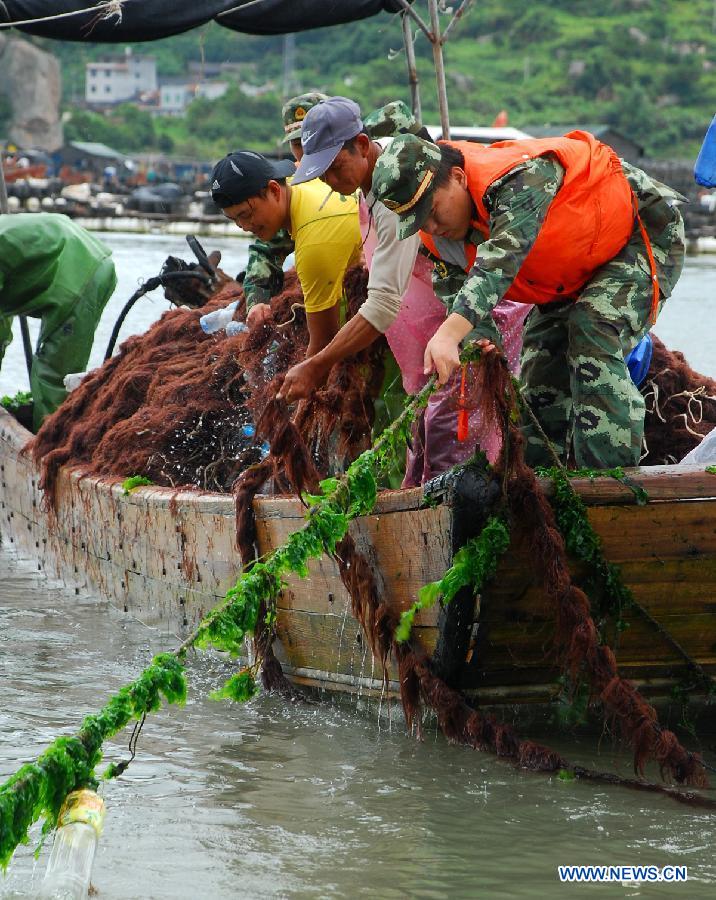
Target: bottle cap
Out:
[83,806]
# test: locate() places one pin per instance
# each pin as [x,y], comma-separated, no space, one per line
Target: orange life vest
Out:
[588,222]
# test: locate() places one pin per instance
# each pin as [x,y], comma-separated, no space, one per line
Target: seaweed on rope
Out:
[249,609]
[38,789]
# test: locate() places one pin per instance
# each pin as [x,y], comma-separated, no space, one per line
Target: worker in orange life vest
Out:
[562,223]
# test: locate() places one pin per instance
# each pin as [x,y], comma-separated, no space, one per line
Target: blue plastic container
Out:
[705,168]
[639,359]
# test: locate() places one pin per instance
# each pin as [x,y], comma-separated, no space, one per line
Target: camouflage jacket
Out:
[264,270]
[518,204]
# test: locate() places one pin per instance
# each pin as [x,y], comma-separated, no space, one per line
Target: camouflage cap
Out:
[403,180]
[294,112]
[393,118]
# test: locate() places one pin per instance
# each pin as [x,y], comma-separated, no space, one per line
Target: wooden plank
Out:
[333,643]
[685,586]
[411,551]
[660,483]
[532,643]
[289,507]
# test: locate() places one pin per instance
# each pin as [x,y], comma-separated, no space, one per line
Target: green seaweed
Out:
[37,790]
[133,482]
[13,404]
[473,565]
[239,688]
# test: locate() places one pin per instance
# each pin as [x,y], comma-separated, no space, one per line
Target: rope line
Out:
[110,8]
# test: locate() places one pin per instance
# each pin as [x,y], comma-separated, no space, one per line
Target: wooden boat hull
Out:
[166,557]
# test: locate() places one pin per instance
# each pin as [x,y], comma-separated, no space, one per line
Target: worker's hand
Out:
[303,379]
[442,355]
[259,314]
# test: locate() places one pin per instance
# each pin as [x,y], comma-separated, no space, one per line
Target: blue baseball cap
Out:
[325,129]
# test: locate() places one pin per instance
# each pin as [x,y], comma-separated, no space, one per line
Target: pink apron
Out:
[435,445]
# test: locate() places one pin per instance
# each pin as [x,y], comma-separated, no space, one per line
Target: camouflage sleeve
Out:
[518,204]
[264,270]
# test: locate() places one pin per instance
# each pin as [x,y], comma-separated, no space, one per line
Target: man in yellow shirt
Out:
[257,195]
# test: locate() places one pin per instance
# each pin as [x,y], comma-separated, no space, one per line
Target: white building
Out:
[117,81]
[175,94]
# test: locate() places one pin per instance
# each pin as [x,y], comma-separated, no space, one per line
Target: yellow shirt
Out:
[327,239]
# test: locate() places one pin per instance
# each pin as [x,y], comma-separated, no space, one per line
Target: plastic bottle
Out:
[218,319]
[234,328]
[78,829]
[705,168]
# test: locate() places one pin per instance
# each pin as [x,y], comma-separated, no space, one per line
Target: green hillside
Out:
[647,67]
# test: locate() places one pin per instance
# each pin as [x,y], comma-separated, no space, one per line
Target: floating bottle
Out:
[218,318]
[79,826]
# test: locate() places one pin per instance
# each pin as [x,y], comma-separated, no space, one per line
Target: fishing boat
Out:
[166,557]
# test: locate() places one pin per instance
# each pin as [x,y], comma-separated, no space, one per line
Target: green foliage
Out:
[474,565]
[38,789]
[13,404]
[127,128]
[239,688]
[135,481]
[710,469]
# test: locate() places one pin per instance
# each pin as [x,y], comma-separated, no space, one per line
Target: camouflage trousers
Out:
[573,374]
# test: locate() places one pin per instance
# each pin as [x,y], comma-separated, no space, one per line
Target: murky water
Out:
[276,800]
[311,800]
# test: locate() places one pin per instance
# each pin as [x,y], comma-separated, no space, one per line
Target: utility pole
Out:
[437,40]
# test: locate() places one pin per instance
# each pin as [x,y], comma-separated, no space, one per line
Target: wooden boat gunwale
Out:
[166,556]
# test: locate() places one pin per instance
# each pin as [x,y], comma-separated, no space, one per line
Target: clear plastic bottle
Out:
[78,829]
[218,318]
[234,328]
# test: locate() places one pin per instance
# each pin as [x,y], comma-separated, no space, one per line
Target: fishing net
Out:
[178,406]
[680,407]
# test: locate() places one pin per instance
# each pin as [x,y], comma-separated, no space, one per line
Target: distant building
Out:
[175,94]
[92,157]
[625,147]
[116,81]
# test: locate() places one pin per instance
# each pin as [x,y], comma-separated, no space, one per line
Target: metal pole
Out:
[412,68]
[439,69]
[3,189]
[421,25]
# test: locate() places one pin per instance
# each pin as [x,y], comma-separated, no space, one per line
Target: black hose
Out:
[26,345]
[150,284]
